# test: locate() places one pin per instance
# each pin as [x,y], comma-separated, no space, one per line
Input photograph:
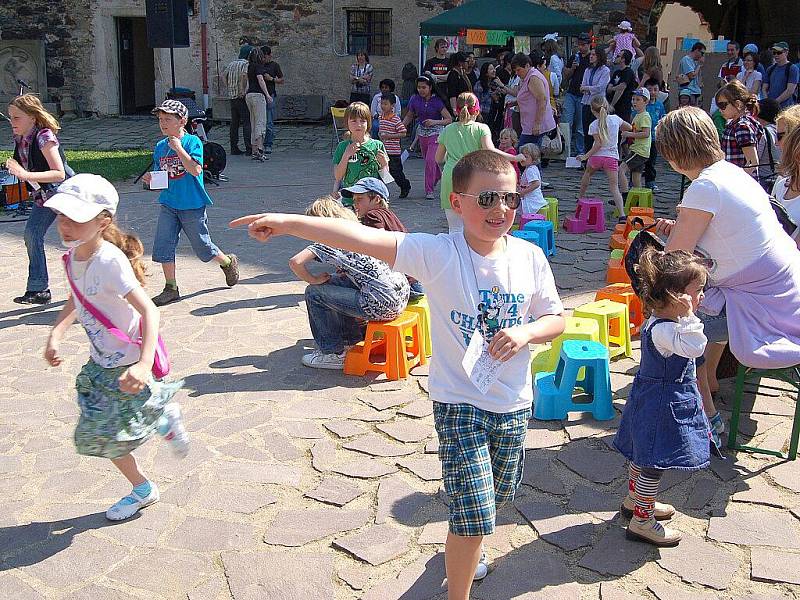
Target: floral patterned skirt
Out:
[112,423]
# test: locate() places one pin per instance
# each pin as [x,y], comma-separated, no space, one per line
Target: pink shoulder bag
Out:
[161,364]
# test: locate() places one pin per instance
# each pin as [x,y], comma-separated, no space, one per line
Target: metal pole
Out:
[204,49]
[172,40]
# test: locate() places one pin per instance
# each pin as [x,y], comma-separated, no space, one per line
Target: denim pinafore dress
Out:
[663,425]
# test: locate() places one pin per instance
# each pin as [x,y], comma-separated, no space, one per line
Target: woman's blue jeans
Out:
[39,222]
[336,318]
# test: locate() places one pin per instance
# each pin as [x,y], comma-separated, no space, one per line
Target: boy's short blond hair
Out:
[381,200]
[688,138]
[480,161]
[511,133]
[789,116]
[358,110]
[533,151]
[328,206]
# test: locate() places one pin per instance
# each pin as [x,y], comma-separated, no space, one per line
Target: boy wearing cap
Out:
[183,202]
[371,202]
[782,77]
[640,146]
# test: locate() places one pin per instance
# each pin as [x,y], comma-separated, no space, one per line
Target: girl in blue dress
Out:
[663,425]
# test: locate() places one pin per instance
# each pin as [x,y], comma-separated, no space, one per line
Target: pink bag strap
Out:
[93,310]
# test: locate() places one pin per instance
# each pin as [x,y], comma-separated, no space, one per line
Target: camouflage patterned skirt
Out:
[112,423]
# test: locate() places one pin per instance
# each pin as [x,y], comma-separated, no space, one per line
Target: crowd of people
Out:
[716,282]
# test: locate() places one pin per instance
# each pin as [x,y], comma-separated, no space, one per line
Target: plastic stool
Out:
[525,218]
[394,340]
[529,235]
[546,237]
[576,328]
[612,318]
[624,294]
[641,211]
[589,216]
[639,197]
[617,254]
[553,392]
[616,272]
[551,211]
[423,312]
[790,375]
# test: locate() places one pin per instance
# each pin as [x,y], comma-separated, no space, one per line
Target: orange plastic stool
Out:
[391,340]
[623,230]
[623,293]
[616,272]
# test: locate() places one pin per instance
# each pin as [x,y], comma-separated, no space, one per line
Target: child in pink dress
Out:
[624,40]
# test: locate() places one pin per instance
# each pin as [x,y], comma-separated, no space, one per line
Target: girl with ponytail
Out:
[743,137]
[122,397]
[604,154]
[459,139]
[663,425]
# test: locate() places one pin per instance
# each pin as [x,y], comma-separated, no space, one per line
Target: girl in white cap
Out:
[121,403]
[624,40]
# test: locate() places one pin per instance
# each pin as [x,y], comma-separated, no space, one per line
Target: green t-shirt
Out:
[642,122]
[459,140]
[364,163]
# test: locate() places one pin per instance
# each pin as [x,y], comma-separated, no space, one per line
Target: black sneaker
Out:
[231,271]
[268,150]
[167,296]
[248,152]
[404,193]
[235,151]
[42,297]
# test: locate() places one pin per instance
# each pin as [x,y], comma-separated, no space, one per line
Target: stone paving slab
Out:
[269,441]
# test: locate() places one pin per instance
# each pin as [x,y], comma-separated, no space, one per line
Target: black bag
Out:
[214,159]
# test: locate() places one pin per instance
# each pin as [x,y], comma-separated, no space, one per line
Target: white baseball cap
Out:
[84,196]
[643,92]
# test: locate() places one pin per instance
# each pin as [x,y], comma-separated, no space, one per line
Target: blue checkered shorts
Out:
[482,456]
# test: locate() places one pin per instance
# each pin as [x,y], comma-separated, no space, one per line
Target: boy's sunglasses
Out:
[489,199]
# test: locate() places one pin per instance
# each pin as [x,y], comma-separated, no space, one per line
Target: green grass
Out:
[114,165]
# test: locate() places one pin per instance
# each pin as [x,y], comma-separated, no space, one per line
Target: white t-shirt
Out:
[533,201]
[104,280]
[609,148]
[512,289]
[792,205]
[743,227]
[684,337]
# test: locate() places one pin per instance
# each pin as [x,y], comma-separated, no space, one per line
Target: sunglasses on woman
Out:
[490,199]
[722,105]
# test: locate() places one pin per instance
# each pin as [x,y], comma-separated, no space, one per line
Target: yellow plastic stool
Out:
[550,211]
[423,311]
[641,197]
[612,318]
[576,329]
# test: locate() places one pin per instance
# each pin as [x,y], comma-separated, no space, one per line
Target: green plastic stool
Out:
[642,197]
[550,211]
[790,375]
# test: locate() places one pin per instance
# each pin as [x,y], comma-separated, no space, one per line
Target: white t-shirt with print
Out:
[533,201]
[104,280]
[743,227]
[609,148]
[512,289]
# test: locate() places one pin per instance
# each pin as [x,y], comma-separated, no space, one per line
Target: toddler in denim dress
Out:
[663,425]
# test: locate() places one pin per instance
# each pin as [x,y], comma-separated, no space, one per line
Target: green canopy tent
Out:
[520,16]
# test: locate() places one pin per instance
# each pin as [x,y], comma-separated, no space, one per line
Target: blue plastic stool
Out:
[529,235]
[552,392]
[546,236]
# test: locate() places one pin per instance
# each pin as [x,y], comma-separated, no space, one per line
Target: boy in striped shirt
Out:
[391,131]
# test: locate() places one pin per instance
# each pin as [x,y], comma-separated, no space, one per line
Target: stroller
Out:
[199,123]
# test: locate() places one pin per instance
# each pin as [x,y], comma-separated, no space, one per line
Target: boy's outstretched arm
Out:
[338,233]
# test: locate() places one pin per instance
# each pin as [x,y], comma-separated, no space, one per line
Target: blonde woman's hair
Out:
[130,245]
[600,108]
[790,157]
[32,106]
[688,138]
[533,151]
[466,105]
[512,134]
[652,58]
[357,110]
[790,116]
[330,207]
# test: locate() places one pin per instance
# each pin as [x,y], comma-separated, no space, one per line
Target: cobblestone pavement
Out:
[304,484]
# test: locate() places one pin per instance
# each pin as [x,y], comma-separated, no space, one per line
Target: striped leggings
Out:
[643,487]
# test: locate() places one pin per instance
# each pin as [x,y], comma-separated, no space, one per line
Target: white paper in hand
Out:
[482,369]
[404,156]
[386,176]
[159,180]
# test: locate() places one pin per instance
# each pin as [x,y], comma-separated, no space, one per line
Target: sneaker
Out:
[482,570]
[248,152]
[167,296]
[546,185]
[231,271]
[128,506]
[320,360]
[236,152]
[430,196]
[171,428]
[652,532]
[29,297]
[404,192]
[717,429]
[267,150]
[663,512]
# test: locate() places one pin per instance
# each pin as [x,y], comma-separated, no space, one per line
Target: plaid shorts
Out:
[482,456]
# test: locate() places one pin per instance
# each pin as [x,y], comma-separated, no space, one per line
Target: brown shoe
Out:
[167,296]
[663,512]
[231,271]
[652,532]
